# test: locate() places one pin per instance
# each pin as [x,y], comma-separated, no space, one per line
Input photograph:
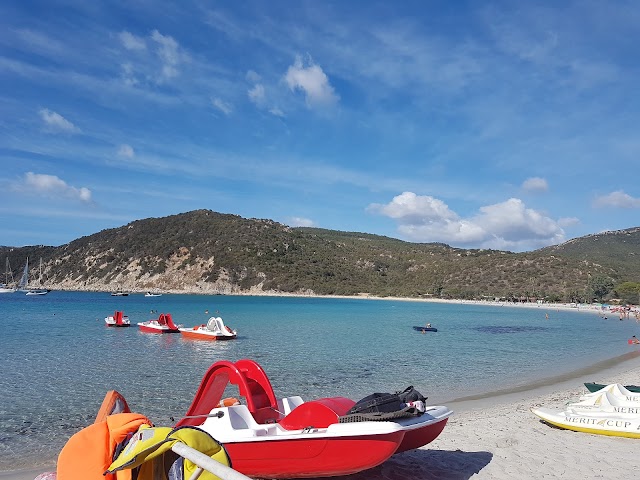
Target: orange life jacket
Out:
[89,453]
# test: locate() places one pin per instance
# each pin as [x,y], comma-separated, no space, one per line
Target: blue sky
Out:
[510,125]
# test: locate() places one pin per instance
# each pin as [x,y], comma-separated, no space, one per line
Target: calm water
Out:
[59,359]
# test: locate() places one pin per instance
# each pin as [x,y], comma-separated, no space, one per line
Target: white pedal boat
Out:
[215,329]
[616,390]
[610,424]
[605,404]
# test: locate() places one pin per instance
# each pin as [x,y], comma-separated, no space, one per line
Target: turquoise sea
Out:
[59,359]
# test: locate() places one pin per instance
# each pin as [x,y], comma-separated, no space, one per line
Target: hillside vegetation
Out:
[208,252]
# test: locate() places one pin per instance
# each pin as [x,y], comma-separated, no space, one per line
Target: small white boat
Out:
[617,390]
[604,423]
[214,329]
[151,294]
[4,288]
[40,291]
[605,404]
[8,280]
[118,319]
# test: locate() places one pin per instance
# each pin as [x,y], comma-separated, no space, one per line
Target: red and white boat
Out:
[117,320]
[214,329]
[290,438]
[162,324]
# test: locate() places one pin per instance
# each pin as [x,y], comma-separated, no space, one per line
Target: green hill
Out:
[208,252]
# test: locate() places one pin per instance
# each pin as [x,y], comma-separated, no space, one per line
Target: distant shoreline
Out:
[581,307]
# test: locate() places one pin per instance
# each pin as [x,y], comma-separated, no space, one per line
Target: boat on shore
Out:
[605,403]
[214,329]
[594,387]
[163,324]
[290,438]
[616,390]
[118,319]
[604,423]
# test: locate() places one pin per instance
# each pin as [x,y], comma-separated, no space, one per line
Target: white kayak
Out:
[602,424]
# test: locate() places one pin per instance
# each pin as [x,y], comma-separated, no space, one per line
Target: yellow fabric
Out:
[149,443]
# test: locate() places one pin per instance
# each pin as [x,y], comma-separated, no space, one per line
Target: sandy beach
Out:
[497,437]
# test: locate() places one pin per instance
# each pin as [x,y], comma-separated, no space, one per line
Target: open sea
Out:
[59,359]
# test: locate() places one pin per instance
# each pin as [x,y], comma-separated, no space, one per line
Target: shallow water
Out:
[59,359]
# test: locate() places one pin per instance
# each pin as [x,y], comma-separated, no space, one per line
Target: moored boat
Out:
[152,294]
[425,329]
[214,329]
[290,438]
[163,324]
[609,424]
[39,291]
[118,319]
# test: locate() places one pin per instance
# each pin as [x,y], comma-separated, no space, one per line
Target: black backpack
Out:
[386,402]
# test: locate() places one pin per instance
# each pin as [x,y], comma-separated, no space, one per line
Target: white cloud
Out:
[126,151]
[568,221]
[128,75]
[52,186]
[54,122]
[300,222]
[617,199]
[276,111]
[535,184]
[168,53]
[506,225]
[131,42]
[257,94]
[313,82]
[253,77]
[221,105]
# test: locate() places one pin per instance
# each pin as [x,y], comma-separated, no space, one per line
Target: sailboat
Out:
[23,284]
[7,286]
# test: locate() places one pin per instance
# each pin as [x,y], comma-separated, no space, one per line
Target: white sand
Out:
[500,439]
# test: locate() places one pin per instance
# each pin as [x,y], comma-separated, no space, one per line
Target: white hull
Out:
[601,424]
[235,424]
[7,290]
[111,322]
[215,329]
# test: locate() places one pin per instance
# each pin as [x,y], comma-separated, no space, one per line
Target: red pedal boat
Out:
[214,329]
[118,319]
[163,324]
[291,438]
